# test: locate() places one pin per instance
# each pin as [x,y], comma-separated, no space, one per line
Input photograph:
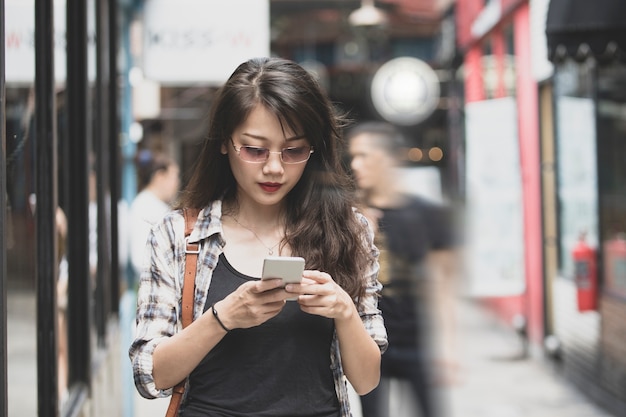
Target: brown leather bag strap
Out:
[177,398]
[191,261]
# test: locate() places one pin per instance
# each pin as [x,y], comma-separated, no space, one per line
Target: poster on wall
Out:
[202,41]
[494,212]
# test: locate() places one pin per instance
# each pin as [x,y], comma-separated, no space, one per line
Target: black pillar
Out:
[3,209]
[101,147]
[46,192]
[78,122]
[114,154]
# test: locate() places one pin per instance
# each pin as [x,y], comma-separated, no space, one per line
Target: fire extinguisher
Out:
[585,275]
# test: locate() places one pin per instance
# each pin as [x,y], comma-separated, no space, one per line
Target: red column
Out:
[527,102]
[466,12]
[499,51]
[474,84]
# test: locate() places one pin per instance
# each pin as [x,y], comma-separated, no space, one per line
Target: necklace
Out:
[270,249]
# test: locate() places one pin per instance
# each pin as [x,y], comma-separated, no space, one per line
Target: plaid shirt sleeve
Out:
[370,316]
[158,302]
[368,307]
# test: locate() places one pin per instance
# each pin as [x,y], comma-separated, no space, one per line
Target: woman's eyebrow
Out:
[260,137]
[297,137]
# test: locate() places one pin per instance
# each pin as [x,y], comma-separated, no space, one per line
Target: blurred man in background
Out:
[408,230]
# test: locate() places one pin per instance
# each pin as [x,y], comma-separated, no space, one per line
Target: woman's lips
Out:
[270,187]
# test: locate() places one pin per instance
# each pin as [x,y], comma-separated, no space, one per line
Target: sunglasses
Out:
[291,155]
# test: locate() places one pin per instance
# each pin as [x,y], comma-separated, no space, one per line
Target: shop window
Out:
[577,173]
[20,237]
[611,126]
[24,296]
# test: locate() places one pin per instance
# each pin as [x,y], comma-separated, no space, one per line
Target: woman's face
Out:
[266,182]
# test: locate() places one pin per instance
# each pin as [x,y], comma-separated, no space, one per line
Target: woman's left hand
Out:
[319,294]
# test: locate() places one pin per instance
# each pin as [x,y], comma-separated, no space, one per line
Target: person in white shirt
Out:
[159,183]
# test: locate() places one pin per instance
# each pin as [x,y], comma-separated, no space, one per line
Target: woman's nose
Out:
[273,164]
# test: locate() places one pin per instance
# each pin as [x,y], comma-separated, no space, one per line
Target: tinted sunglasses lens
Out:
[293,155]
[252,154]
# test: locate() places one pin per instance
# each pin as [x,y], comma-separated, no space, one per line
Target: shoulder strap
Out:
[191,260]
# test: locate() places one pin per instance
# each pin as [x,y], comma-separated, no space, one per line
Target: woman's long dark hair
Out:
[320,223]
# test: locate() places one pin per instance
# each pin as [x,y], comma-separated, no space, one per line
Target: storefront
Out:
[587,44]
[502,191]
[59,256]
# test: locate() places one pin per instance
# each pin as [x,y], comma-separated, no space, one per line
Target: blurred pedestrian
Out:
[61,292]
[61,225]
[269,180]
[408,228]
[159,182]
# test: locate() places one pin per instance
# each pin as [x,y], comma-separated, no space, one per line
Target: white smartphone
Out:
[287,268]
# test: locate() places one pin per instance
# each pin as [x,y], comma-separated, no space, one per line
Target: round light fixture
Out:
[405,91]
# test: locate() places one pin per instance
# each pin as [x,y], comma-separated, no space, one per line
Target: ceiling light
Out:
[368,15]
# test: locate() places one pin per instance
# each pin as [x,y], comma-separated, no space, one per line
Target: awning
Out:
[582,28]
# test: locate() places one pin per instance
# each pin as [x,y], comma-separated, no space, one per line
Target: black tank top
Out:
[280,368]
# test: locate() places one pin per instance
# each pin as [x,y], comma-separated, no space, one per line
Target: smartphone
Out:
[287,268]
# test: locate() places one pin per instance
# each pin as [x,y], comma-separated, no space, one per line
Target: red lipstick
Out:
[270,187]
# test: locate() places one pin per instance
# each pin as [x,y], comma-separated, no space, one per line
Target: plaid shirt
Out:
[159,299]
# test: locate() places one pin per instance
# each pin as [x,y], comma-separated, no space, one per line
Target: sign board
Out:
[541,67]
[202,41]
[487,19]
[495,235]
[20,42]
[405,91]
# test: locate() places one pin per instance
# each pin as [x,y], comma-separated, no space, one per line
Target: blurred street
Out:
[494,381]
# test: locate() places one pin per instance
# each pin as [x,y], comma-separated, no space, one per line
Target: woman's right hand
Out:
[252,304]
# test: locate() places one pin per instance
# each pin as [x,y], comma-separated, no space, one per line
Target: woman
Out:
[268,180]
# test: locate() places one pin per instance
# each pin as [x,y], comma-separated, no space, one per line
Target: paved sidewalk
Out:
[495,381]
